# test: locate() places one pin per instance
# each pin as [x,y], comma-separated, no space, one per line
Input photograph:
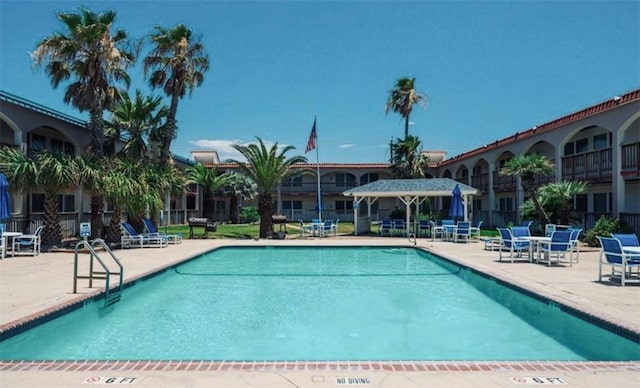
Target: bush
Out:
[603,227]
[397,214]
[249,215]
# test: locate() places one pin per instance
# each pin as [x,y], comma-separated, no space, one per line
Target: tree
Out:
[238,186]
[407,159]
[267,168]
[557,201]
[210,181]
[96,60]
[53,173]
[402,98]
[529,167]
[120,189]
[177,63]
[134,120]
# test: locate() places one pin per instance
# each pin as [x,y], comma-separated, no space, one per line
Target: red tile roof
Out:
[551,125]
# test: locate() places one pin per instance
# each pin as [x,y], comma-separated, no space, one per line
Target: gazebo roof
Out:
[435,187]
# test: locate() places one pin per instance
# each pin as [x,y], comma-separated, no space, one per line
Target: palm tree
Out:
[135,120]
[120,189]
[267,168]
[557,198]
[402,98]
[53,173]
[95,59]
[210,181]
[177,63]
[529,167]
[407,159]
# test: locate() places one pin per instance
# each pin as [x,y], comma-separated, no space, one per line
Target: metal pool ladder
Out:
[110,296]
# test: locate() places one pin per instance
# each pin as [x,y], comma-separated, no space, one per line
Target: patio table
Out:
[534,245]
[10,236]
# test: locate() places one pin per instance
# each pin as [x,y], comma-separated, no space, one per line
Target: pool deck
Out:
[33,286]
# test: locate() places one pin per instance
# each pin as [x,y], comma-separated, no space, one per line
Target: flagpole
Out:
[319,198]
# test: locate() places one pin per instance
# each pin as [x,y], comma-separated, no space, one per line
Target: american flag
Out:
[311,144]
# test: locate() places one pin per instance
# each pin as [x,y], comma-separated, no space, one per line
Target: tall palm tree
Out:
[407,159]
[121,188]
[134,120]
[210,181]
[95,58]
[267,168]
[53,173]
[402,98]
[528,167]
[177,63]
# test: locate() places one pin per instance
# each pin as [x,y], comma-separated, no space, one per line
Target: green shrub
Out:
[397,214]
[603,227]
[249,215]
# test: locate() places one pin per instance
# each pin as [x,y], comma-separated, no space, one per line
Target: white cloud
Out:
[345,146]
[412,123]
[225,149]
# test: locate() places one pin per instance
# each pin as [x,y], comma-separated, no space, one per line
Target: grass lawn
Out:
[251,231]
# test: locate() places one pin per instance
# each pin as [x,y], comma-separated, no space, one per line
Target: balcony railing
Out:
[630,160]
[503,182]
[480,182]
[593,166]
[312,188]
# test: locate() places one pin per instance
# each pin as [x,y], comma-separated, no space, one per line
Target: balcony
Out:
[480,182]
[630,160]
[593,166]
[312,188]
[503,183]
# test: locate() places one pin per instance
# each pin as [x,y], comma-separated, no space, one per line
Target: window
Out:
[505,204]
[569,149]
[582,145]
[191,202]
[601,141]
[580,203]
[66,203]
[38,142]
[345,180]
[37,203]
[291,205]
[295,181]
[344,207]
[477,204]
[368,178]
[601,202]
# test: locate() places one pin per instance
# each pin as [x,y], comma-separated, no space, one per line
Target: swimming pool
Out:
[304,303]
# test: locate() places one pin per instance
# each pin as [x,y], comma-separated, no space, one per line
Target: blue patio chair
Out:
[520,231]
[549,229]
[399,228]
[622,264]
[153,231]
[436,231]
[28,243]
[575,242]
[386,227]
[132,238]
[328,228]
[462,231]
[513,245]
[316,227]
[305,230]
[526,224]
[560,246]
[627,239]
[475,230]
[424,228]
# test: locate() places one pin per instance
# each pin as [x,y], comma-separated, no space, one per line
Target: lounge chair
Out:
[627,239]
[462,231]
[132,238]
[560,246]
[513,245]
[153,231]
[622,264]
[475,230]
[28,244]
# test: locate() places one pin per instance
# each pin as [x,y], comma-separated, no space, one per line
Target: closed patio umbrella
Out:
[5,207]
[457,204]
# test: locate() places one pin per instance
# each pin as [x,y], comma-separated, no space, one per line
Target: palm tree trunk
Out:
[114,231]
[96,215]
[96,129]
[52,233]
[406,127]
[169,133]
[542,214]
[233,209]
[265,209]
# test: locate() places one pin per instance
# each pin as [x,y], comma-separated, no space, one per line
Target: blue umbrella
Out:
[457,204]
[5,208]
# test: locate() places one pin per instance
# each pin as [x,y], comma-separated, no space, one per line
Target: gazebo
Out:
[409,191]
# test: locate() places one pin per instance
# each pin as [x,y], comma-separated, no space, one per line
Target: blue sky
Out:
[489,69]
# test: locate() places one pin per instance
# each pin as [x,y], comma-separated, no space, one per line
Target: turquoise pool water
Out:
[311,303]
